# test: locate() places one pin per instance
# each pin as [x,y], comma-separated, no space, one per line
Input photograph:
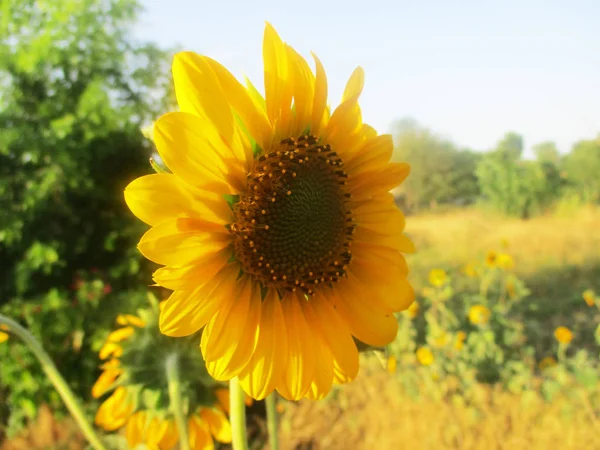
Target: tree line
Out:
[444,174]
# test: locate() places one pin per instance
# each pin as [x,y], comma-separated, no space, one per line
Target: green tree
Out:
[440,173]
[516,186]
[75,90]
[582,167]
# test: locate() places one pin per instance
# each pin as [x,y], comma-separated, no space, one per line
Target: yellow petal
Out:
[217,423]
[105,381]
[374,154]
[199,435]
[300,369]
[160,196]
[336,334]
[129,319]
[196,152]
[278,85]
[265,369]
[190,277]
[380,214]
[323,378]
[185,312]
[373,182]
[397,241]
[303,83]
[3,337]
[134,432]
[320,97]
[224,331]
[354,86]
[179,242]
[110,349]
[344,127]
[253,117]
[367,324]
[231,363]
[120,334]
[199,92]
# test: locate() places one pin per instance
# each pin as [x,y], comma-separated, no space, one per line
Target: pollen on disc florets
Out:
[293,226]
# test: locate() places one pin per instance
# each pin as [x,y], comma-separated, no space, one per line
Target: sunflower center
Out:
[293,228]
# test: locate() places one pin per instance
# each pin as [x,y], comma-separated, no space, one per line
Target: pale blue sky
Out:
[469,70]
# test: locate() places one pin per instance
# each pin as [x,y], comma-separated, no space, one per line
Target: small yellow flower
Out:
[425,356]
[129,319]
[413,310]
[589,297]
[504,261]
[546,362]
[3,336]
[479,315]
[470,270]
[437,277]
[391,364]
[441,340]
[461,337]
[490,258]
[563,335]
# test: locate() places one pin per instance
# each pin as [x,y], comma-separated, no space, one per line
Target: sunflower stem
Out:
[68,397]
[237,415]
[271,403]
[176,404]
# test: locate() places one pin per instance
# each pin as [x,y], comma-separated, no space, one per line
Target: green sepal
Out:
[157,168]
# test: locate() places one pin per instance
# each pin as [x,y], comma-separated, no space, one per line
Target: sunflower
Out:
[479,315]
[425,356]
[563,335]
[589,297]
[460,339]
[438,277]
[276,228]
[139,402]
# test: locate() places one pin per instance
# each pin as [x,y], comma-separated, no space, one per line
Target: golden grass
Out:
[454,238]
[372,413]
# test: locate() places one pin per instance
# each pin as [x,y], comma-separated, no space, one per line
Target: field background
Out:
[501,350]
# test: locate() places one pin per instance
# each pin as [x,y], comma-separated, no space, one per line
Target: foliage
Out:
[75,91]
[440,173]
[482,334]
[582,166]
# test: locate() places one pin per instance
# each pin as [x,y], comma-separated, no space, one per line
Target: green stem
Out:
[271,403]
[57,380]
[176,405]
[237,415]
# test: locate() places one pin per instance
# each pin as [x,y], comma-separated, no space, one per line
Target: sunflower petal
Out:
[278,85]
[266,367]
[217,423]
[195,151]
[253,116]
[199,92]
[225,329]
[336,334]
[182,241]
[369,325]
[319,107]
[232,363]
[185,312]
[190,276]
[300,369]
[354,86]
[158,197]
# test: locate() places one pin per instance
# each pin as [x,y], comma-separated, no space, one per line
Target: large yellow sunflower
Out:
[276,227]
